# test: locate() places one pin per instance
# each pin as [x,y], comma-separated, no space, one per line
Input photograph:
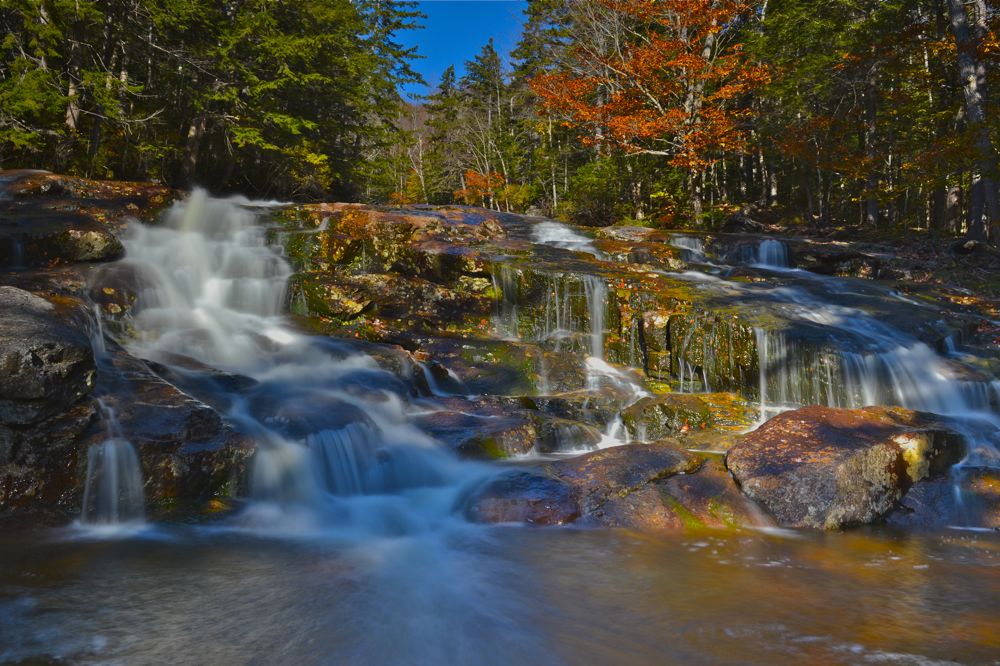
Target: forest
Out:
[870,112]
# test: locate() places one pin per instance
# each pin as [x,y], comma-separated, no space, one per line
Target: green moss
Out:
[688,519]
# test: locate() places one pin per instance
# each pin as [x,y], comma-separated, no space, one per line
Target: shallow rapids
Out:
[337,448]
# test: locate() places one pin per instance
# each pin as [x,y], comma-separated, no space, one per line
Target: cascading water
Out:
[559,235]
[564,320]
[113,494]
[329,423]
[876,365]
[692,248]
[772,253]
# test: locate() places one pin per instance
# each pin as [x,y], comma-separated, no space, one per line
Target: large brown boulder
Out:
[831,468]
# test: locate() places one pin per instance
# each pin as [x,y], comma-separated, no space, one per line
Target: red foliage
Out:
[480,187]
[670,85]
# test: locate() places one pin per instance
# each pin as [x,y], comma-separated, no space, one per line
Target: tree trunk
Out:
[871,180]
[192,147]
[694,194]
[985,202]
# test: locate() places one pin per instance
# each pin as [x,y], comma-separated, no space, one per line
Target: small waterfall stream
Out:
[772,253]
[112,494]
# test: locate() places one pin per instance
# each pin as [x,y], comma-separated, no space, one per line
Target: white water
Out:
[336,444]
[559,235]
[693,249]
[113,493]
[772,253]
[561,322]
[876,364]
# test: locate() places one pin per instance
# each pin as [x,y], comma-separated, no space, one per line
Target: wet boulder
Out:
[843,259]
[481,429]
[707,497]
[391,308]
[656,417]
[47,371]
[593,408]
[189,455]
[50,219]
[525,497]
[46,364]
[589,489]
[604,475]
[558,435]
[967,497]
[832,468]
[500,367]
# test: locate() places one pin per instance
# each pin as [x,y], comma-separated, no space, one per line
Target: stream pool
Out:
[465,594]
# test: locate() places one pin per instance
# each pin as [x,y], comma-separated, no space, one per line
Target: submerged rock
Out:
[832,468]
[609,487]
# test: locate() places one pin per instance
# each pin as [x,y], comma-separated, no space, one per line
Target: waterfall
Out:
[112,494]
[772,253]
[908,374]
[692,248]
[564,312]
[505,318]
[597,302]
[97,341]
[559,235]
[329,423]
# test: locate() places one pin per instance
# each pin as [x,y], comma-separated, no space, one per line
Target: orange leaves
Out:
[479,187]
[669,78]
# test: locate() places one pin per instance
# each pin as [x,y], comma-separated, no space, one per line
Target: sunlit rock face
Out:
[829,468]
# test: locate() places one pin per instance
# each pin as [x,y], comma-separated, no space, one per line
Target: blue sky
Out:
[456,30]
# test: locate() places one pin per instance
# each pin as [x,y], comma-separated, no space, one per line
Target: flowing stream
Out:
[353,546]
[113,494]
[337,444]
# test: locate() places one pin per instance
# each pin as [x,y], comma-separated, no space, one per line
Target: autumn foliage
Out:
[670,81]
[480,188]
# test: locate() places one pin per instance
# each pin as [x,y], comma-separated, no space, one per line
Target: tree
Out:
[985,208]
[661,79]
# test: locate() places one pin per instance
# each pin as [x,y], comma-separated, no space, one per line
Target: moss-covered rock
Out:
[717,348]
[657,417]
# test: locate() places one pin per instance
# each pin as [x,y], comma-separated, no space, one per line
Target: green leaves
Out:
[281,98]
